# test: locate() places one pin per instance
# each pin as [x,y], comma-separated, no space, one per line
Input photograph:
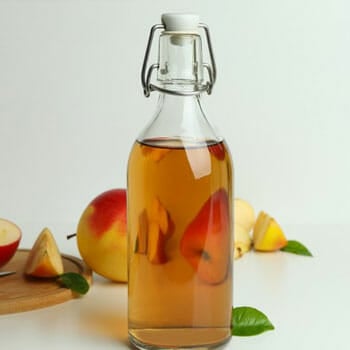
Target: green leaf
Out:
[247,321]
[296,247]
[74,281]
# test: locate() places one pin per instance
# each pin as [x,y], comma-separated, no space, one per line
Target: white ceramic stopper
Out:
[180,22]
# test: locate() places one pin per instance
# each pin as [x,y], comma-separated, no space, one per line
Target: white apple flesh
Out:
[10,236]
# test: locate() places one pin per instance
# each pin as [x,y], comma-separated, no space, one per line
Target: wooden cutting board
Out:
[19,293]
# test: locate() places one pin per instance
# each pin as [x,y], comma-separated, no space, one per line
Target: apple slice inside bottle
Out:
[155,227]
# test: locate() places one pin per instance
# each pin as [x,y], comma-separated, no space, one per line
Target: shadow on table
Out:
[104,313]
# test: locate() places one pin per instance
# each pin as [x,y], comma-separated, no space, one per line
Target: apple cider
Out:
[180,243]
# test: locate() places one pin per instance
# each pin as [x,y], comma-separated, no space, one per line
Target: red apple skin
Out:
[109,208]
[206,242]
[7,252]
[101,235]
[218,150]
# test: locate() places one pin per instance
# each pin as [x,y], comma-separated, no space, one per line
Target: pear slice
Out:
[44,259]
[244,214]
[268,236]
[242,241]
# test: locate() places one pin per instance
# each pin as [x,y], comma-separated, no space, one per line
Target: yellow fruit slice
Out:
[267,234]
[244,214]
[44,259]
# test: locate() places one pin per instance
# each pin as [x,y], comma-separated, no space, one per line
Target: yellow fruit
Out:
[44,259]
[242,241]
[244,214]
[267,234]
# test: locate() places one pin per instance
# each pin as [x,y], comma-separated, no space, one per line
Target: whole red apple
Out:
[101,235]
[10,236]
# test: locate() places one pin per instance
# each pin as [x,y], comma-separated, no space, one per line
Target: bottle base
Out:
[179,338]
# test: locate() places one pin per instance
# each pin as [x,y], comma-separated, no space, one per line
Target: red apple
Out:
[10,236]
[206,242]
[101,235]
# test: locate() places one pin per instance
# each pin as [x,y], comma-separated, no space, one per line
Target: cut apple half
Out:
[206,242]
[44,259]
[268,236]
[10,236]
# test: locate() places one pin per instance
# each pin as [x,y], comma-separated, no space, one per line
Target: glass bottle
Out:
[179,203]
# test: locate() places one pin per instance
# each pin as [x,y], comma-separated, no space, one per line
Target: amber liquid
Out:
[174,303]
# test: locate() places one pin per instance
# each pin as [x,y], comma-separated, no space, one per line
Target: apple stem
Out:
[71,235]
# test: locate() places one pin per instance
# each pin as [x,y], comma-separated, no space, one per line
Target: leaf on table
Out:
[74,281]
[296,247]
[248,321]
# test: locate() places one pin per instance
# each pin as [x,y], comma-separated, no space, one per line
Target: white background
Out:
[71,105]
[71,102]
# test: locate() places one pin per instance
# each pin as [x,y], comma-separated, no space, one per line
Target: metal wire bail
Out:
[146,72]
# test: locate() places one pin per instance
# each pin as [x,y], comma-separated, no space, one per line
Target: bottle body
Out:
[180,237]
[180,279]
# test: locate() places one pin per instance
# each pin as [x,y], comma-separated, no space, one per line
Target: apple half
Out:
[10,236]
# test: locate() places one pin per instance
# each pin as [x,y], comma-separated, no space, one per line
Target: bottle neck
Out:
[181,118]
[180,62]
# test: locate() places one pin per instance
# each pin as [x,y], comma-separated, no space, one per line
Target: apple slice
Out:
[10,236]
[157,213]
[155,227]
[218,150]
[141,238]
[206,242]
[160,229]
[44,259]
[267,234]
[155,153]
[156,245]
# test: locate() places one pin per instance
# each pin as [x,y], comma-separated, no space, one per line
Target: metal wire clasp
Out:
[146,72]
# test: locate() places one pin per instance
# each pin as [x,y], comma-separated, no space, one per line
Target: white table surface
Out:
[307,299]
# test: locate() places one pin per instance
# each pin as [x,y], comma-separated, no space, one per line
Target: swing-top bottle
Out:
[179,202]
